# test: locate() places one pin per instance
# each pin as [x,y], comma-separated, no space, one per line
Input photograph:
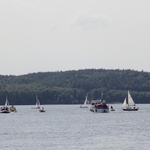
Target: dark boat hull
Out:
[41,110]
[5,111]
[136,109]
[112,110]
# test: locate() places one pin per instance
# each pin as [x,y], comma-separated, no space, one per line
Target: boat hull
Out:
[5,111]
[35,108]
[136,109]
[83,106]
[99,110]
[102,110]
[112,110]
[41,110]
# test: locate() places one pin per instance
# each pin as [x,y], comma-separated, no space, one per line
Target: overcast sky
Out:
[60,35]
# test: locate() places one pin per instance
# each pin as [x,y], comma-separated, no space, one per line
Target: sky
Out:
[62,35]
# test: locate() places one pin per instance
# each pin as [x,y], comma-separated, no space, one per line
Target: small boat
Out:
[42,109]
[5,108]
[130,106]
[112,109]
[13,109]
[37,105]
[85,103]
[99,106]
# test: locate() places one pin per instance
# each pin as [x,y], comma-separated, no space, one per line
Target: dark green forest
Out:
[71,87]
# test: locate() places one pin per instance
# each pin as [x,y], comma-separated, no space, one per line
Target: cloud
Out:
[90,21]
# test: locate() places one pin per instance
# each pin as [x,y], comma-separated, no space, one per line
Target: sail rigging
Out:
[130,100]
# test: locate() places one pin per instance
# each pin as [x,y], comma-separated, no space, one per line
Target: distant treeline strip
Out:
[71,87]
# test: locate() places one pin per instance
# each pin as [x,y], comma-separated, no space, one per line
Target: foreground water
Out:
[68,127]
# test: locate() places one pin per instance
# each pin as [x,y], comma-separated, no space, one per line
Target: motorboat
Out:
[99,106]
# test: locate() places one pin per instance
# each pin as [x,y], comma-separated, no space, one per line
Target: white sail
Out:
[85,102]
[37,102]
[124,105]
[130,100]
[6,103]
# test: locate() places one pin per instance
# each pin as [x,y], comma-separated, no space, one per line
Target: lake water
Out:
[68,127]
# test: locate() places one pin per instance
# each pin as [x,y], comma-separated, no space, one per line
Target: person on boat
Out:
[112,109]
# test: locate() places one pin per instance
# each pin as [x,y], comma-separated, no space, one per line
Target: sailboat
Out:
[42,109]
[37,105]
[130,106]
[85,103]
[5,108]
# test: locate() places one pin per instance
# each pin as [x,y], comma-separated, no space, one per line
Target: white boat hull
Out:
[99,110]
[35,107]
[102,110]
[83,106]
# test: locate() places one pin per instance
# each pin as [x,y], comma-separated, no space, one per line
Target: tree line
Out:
[71,87]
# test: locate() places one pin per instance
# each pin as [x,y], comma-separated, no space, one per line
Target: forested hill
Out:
[71,87]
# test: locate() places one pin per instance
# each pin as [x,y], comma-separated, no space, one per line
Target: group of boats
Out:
[6,108]
[96,106]
[101,106]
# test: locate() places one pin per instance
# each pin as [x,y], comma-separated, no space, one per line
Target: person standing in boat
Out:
[112,109]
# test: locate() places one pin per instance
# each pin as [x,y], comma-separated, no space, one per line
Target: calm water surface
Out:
[68,127]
